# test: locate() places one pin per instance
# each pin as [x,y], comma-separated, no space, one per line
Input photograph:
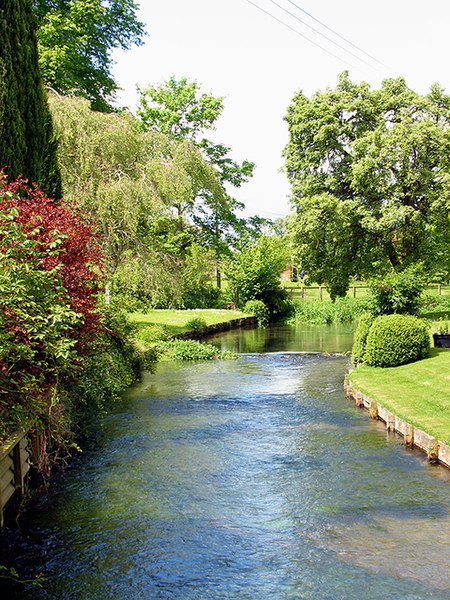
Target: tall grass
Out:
[325,312]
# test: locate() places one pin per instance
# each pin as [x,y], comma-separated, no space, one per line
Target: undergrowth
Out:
[325,312]
[191,350]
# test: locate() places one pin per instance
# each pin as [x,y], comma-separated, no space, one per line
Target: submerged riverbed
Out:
[253,478]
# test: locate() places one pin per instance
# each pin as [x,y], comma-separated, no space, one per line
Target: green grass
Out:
[418,392]
[176,321]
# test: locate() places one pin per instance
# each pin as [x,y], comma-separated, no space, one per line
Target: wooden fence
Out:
[356,291]
[14,465]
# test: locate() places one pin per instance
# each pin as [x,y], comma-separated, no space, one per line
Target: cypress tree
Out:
[27,141]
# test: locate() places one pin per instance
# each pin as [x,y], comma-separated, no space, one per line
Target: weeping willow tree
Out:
[143,189]
[27,143]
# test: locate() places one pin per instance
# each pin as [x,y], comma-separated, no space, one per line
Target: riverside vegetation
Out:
[101,209]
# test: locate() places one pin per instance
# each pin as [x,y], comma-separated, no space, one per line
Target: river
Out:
[253,478]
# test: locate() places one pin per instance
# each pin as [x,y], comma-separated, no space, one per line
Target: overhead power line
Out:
[323,34]
[299,33]
[334,32]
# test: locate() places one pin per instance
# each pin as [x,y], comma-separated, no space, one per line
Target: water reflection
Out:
[285,338]
[251,479]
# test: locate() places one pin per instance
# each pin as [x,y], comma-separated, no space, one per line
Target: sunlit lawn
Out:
[418,392]
[176,321]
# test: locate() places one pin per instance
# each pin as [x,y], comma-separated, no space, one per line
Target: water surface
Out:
[253,478]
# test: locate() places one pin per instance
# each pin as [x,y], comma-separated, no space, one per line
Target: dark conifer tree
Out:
[27,141]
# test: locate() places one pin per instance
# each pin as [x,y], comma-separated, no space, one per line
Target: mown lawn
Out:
[176,321]
[418,392]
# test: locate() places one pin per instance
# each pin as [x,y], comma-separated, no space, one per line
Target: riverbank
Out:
[413,399]
[154,324]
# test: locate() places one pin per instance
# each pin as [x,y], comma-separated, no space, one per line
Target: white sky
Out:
[234,50]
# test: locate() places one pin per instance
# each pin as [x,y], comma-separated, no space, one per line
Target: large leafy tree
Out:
[27,142]
[253,271]
[370,180]
[142,188]
[180,110]
[76,38]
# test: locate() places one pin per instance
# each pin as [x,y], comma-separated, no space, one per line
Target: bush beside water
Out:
[395,340]
[359,345]
[258,309]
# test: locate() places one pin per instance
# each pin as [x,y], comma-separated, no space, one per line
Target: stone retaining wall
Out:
[241,323]
[435,450]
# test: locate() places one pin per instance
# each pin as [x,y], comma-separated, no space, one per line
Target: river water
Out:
[253,478]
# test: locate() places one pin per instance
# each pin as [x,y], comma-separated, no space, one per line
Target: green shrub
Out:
[259,310]
[190,350]
[361,333]
[442,327]
[395,340]
[196,324]
[397,292]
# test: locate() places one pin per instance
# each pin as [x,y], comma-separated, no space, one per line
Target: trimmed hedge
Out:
[395,340]
[362,331]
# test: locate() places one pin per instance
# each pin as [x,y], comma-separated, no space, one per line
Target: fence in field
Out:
[297,292]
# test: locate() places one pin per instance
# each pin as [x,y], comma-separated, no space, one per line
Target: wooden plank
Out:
[5,495]
[5,464]
[6,479]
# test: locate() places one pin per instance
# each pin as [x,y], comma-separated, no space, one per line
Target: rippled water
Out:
[254,479]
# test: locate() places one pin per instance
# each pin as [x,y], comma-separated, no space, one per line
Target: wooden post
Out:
[439,290]
[303,292]
[433,450]
[390,422]
[373,410]
[354,291]
[320,292]
[409,435]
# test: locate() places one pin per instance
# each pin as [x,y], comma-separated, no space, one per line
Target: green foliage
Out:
[189,350]
[370,179]
[398,292]
[109,365]
[343,310]
[323,234]
[76,38]
[253,272]
[442,327]
[259,310]
[197,289]
[192,350]
[144,190]
[36,325]
[178,109]
[362,331]
[196,324]
[153,333]
[27,142]
[395,340]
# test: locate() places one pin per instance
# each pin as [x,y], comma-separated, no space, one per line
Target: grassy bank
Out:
[173,322]
[418,392]
[155,330]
